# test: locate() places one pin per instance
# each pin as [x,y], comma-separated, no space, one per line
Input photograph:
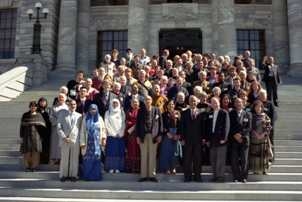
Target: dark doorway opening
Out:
[178,41]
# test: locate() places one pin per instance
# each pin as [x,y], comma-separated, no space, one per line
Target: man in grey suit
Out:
[68,127]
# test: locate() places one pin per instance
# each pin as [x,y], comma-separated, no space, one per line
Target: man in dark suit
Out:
[271,79]
[241,126]
[217,138]
[104,97]
[192,132]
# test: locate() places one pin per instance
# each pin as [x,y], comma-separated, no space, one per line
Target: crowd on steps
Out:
[169,114]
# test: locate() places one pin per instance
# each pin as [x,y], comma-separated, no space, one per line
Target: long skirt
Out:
[259,155]
[91,163]
[115,154]
[133,155]
[167,158]
[55,149]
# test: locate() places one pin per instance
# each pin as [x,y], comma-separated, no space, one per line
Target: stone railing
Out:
[14,82]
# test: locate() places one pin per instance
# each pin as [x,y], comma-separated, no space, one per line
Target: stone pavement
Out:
[283,182]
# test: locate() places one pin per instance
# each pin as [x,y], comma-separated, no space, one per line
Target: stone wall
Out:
[105,18]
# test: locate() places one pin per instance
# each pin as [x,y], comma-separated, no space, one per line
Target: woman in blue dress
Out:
[169,146]
[92,138]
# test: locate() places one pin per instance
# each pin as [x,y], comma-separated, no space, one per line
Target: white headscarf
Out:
[115,120]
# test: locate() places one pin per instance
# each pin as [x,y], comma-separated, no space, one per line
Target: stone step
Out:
[288,154]
[288,148]
[38,199]
[288,142]
[261,195]
[288,161]
[205,169]
[162,186]
[12,153]
[14,160]
[128,177]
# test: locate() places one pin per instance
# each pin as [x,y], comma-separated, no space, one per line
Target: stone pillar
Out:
[224,30]
[294,8]
[82,36]
[280,31]
[67,35]
[138,24]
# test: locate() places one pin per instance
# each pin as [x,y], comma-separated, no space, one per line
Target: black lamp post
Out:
[36,47]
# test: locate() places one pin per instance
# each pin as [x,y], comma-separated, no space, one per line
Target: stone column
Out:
[138,24]
[67,35]
[82,36]
[280,32]
[224,30]
[294,8]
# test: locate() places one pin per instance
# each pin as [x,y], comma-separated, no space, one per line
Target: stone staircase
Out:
[283,183]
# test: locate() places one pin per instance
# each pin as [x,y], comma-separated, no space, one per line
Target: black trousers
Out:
[192,157]
[239,161]
[272,94]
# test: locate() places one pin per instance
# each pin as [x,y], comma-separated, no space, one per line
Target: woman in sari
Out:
[260,146]
[168,147]
[92,138]
[115,146]
[31,146]
[132,148]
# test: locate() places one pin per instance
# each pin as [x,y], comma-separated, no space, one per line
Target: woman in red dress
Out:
[132,148]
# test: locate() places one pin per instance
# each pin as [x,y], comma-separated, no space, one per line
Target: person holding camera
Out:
[241,125]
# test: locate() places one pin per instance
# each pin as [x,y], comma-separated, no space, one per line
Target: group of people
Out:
[158,114]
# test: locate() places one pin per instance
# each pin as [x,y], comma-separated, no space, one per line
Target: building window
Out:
[108,40]
[253,1]
[253,40]
[7,33]
[108,2]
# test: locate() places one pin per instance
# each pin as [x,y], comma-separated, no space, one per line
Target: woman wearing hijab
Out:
[115,146]
[31,146]
[92,138]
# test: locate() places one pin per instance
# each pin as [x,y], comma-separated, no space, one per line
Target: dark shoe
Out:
[27,170]
[153,179]
[188,179]
[276,104]
[197,179]
[144,179]
[220,179]
[63,179]
[73,179]
[214,179]
[34,170]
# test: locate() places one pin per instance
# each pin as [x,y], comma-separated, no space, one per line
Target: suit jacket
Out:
[156,126]
[192,130]
[240,124]
[66,128]
[271,74]
[103,103]
[220,127]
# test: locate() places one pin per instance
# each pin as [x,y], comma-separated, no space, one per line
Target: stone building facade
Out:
[77,33]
